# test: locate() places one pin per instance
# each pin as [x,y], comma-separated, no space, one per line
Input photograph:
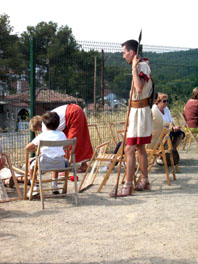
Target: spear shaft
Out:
[127,120]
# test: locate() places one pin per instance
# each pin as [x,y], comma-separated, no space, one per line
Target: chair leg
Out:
[75,179]
[13,176]
[98,164]
[172,166]
[107,175]
[86,172]
[185,141]
[33,180]
[41,191]
[26,175]
[76,188]
[166,168]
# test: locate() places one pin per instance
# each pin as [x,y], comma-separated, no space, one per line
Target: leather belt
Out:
[140,103]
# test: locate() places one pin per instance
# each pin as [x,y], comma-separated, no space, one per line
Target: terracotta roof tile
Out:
[42,95]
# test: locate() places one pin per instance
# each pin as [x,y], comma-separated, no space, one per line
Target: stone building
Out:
[15,108]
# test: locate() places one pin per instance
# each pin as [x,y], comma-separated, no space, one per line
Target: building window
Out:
[8,114]
[12,116]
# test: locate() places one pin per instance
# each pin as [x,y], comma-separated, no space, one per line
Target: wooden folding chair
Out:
[159,151]
[114,128]
[189,135]
[72,166]
[3,193]
[98,157]
[88,180]
[95,127]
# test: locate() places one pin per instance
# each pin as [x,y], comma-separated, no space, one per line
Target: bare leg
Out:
[54,183]
[143,161]
[130,162]
[55,175]
[126,190]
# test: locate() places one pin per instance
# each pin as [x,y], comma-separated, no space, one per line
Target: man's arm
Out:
[138,82]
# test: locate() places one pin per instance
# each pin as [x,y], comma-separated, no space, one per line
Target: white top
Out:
[140,119]
[61,110]
[51,152]
[144,70]
[157,126]
[167,117]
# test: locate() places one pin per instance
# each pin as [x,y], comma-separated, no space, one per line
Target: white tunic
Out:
[61,111]
[140,119]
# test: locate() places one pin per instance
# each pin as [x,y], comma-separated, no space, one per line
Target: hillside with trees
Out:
[63,65]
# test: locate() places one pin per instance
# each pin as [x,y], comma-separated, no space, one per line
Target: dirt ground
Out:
[156,227]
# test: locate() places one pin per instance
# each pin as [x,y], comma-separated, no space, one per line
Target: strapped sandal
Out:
[125,190]
[82,169]
[144,185]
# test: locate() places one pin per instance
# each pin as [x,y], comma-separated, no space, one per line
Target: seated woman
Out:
[191,111]
[161,105]
[157,124]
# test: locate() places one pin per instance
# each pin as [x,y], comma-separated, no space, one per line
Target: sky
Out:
[171,23]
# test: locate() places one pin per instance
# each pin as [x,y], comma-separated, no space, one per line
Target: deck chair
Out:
[4,197]
[88,179]
[189,135]
[98,157]
[114,128]
[72,166]
[159,151]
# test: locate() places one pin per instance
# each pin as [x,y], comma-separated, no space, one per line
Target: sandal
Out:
[125,190]
[81,169]
[9,182]
[143,185]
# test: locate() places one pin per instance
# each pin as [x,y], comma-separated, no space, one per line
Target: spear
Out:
[127,119]
[139,40]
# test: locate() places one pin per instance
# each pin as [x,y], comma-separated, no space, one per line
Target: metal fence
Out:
[91,74]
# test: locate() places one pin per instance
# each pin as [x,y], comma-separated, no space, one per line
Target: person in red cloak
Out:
[73,123]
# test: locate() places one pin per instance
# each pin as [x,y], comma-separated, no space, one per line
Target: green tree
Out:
[60,63]
[11,64]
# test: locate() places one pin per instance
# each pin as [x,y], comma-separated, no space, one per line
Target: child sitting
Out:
[50,156]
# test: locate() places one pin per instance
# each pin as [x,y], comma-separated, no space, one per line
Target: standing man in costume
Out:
[73,123]
[140,119]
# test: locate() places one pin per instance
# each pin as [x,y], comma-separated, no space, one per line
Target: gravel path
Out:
[160,226]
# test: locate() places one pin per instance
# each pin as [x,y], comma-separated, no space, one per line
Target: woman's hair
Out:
[36,123]
[195,93]
[160,97]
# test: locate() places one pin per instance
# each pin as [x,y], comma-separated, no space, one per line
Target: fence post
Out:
[102,81]
[32,82]
[95,76]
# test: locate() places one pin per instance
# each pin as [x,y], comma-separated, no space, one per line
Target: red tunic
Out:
[76,126]
[191,113]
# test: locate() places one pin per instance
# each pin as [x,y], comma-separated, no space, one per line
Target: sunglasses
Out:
[164,101]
